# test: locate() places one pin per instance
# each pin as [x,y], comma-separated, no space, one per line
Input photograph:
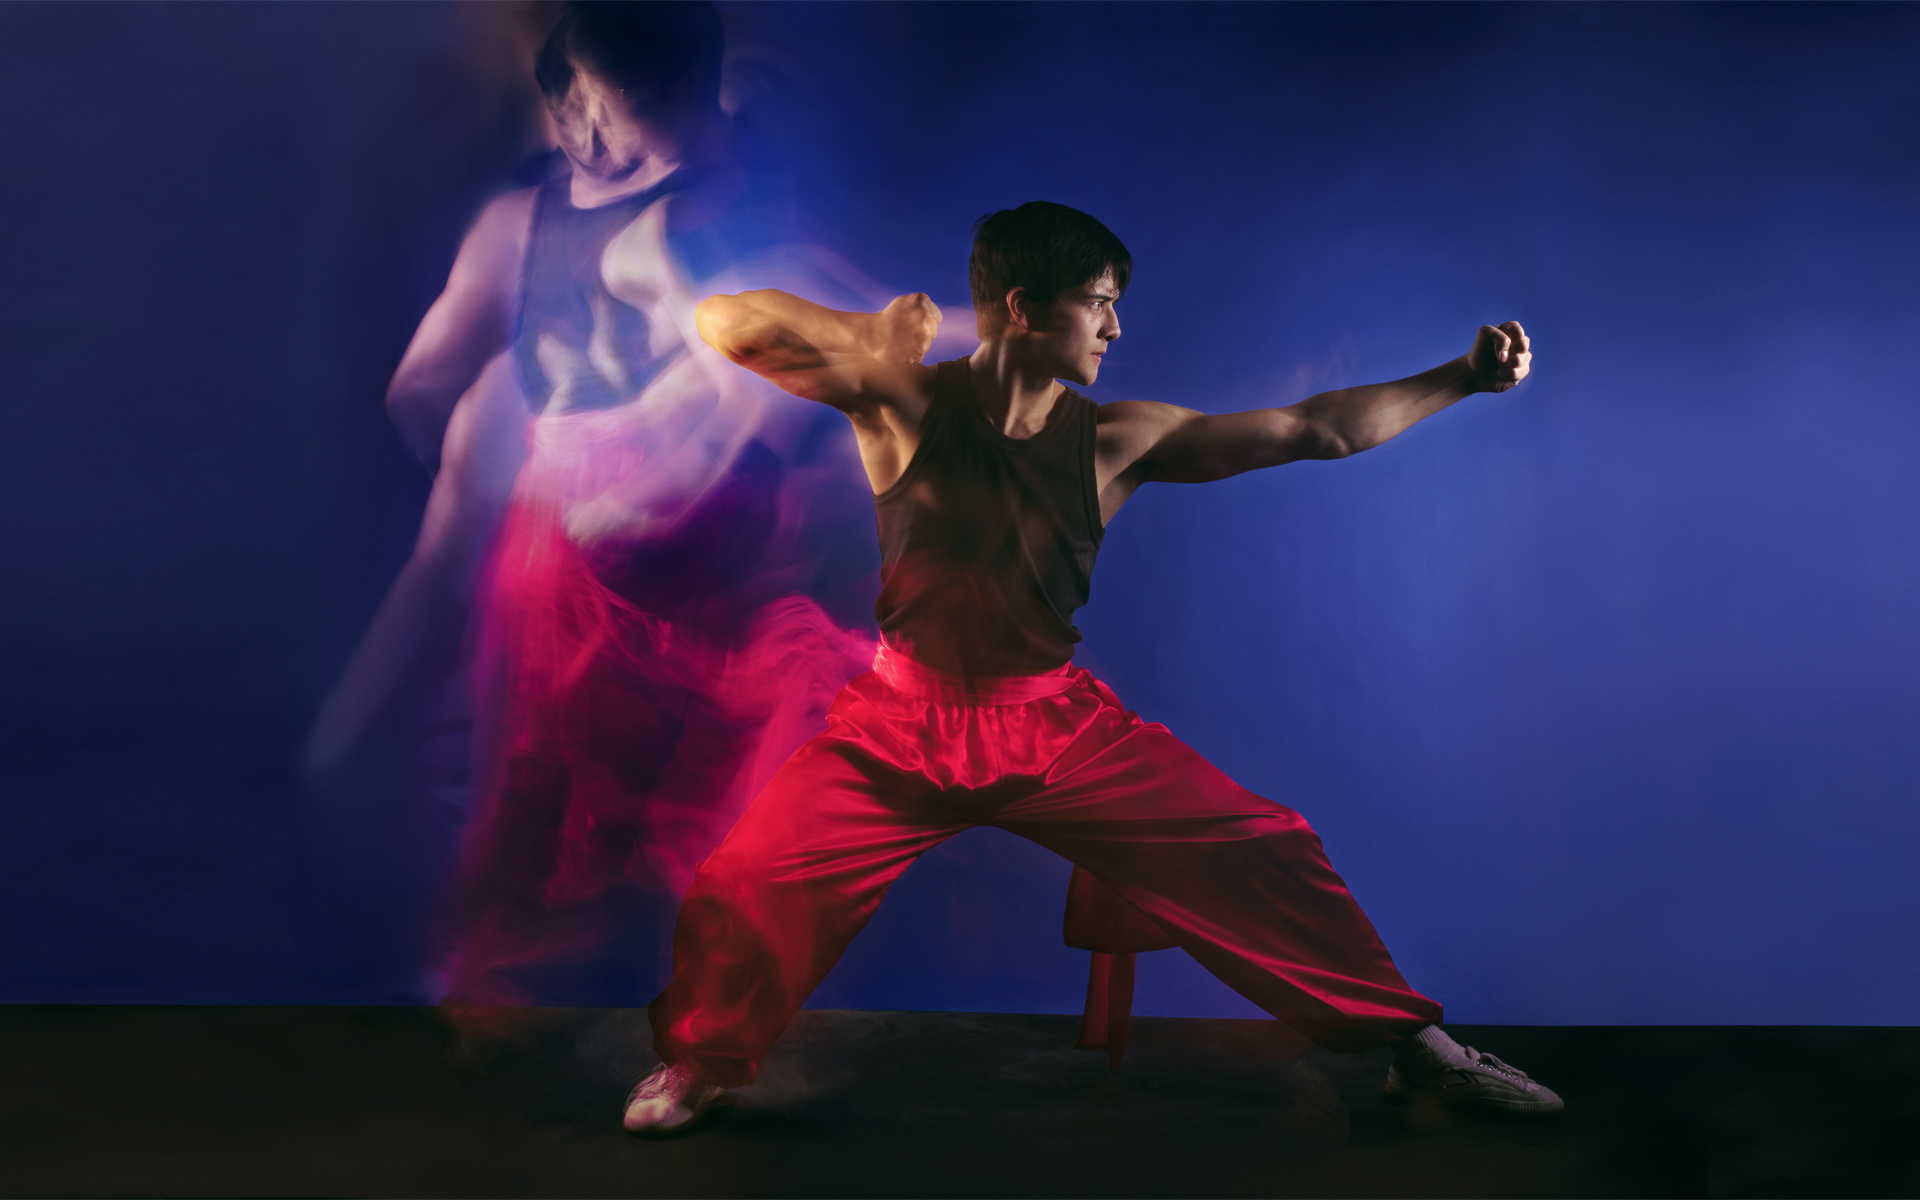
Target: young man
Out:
[993,484]
[606,501]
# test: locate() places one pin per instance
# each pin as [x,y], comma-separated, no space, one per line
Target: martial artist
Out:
[993,483]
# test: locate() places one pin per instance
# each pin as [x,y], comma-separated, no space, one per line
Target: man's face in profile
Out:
[1079,327]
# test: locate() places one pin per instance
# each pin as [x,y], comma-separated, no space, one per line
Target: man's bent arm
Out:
[818,353]
[470,323]
[1196,448]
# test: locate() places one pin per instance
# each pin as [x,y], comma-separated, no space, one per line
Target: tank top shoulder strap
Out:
[545,199]
[952,391]
[554,191]
[1082,445]
[1082,415]
[949,383]
[936,427]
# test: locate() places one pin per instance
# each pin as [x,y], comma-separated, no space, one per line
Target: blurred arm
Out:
[851,361]
[425,611]
[467,326]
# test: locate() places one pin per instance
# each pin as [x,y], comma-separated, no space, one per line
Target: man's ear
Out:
[1020,309]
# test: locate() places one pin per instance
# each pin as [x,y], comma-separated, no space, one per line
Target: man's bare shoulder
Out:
[1129,432]
[897,385]
[494,250]
[1126,419]
[507,218]
[518,202]
[1136,412]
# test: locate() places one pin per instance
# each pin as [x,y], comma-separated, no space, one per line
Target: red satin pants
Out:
[909,758]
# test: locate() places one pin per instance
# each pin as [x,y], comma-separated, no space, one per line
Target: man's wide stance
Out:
[993,485]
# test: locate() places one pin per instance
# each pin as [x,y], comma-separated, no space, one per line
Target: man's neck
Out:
[586,191]
[699,142]
[1017,395]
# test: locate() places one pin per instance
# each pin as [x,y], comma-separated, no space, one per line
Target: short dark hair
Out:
[647,48]
[1044,247]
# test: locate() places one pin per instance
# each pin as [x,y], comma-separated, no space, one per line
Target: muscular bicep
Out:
[469,324]
[1180,445]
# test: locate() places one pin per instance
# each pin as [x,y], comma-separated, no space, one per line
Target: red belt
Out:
[905,675]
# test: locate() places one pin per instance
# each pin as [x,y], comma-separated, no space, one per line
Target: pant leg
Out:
[776,905]
[1239,882]
[556,901]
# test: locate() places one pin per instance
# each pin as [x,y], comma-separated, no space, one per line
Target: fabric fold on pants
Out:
[910,758]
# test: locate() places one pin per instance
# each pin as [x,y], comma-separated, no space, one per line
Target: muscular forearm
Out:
[752,326]
[1338,423]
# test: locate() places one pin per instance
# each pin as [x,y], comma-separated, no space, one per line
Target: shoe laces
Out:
[665,1081]
[1491,1063]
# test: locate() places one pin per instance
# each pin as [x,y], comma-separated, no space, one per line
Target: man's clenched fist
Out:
[1500,356]
[905,328]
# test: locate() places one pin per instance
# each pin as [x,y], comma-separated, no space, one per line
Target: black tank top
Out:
[987,542]
[579,346]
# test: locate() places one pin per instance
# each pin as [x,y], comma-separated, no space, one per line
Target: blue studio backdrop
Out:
[1602,692]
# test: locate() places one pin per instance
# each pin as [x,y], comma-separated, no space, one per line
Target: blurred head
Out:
[1049,276]
[628,82]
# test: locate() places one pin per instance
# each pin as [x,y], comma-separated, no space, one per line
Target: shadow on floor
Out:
[140,1101]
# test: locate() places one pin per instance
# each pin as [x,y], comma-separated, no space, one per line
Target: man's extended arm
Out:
[844,359]
[1182,446]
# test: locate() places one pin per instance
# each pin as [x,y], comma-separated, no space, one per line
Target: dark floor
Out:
[151,1101]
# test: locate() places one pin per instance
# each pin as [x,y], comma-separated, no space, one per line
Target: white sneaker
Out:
[667,1101]
[1484,1082]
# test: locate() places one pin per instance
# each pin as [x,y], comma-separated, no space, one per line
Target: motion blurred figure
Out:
[993,484]
[605,491]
